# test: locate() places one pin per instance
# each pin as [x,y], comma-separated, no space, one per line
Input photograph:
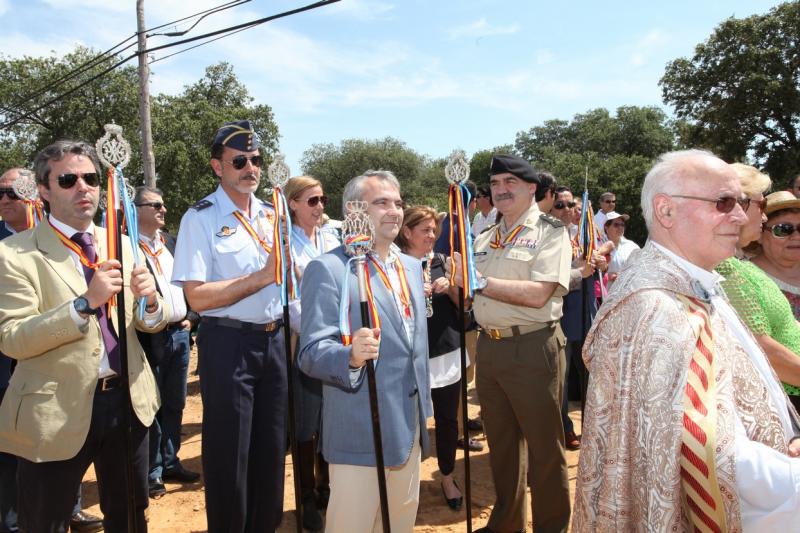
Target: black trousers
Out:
[47,490]
[445,416]
[244,391]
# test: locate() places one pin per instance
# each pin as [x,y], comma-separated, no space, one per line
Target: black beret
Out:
[238,135]
[512,164]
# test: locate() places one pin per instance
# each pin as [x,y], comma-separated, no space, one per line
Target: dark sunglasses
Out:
[154,205]
[314,200]
[609,201]
[8,192]
[67,181]
[240,161]
[723,205]
[783,230]
[562,205]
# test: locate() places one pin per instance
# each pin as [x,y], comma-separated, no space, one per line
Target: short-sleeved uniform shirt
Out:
[214,246]
[537,248]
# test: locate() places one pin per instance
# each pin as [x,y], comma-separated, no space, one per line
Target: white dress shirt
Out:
[171,292]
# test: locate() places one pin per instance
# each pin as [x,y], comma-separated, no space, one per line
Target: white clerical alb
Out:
[767,481]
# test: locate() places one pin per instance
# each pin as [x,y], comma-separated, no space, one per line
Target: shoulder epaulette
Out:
[202,204]
[553,221]
[488,228]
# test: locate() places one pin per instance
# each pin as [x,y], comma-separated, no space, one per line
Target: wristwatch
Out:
[481,283]
[81,305]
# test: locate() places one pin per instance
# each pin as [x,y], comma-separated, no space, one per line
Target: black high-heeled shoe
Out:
[453,503]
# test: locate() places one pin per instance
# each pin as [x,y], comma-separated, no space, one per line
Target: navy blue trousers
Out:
[244,391]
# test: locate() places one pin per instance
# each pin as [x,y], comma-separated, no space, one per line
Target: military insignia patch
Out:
[226,231]
[527,243]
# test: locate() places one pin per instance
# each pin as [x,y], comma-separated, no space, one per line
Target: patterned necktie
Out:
[110,339]
[699,483]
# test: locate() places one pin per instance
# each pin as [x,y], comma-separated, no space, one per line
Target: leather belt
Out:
[515,331]
[269,327]
[109,383]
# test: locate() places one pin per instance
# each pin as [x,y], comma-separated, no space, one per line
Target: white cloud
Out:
[648,45]
[91,5]
[18,44]
[480,28]
[4,6]
[364,10]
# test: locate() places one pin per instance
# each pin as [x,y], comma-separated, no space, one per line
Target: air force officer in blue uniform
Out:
[224,261]
[400,349]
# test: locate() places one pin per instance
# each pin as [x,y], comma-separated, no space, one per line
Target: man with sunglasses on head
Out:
[225,261]
[168,350]
[608,203]
[64,408]
[687,427]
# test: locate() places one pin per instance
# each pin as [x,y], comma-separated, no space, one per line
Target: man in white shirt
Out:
[167,351]
[487,214]
[687,427]
[608,202]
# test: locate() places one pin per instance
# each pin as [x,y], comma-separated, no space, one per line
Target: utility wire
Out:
[99,58]
[212,11]
[198,45]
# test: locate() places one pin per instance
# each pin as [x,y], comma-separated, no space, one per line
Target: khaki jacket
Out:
[47,409]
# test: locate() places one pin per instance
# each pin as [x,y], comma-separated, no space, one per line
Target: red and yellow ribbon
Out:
[249,229]
[34,212]
[405,292]
[510,238]
[461,235]
[153,255]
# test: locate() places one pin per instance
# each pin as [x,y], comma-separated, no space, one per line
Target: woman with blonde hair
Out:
[306,206]
[758,300]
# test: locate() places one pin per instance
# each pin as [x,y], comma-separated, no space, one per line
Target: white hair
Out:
[669,173]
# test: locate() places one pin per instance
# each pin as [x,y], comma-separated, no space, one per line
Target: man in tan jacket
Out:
[65,405]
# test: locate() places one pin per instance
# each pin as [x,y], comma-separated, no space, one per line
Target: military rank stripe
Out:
[249,229]
[699,483]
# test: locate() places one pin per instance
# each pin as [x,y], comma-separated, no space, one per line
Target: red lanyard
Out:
[153,255]
[508,240]
[405,293]
[75,247]
[252,232]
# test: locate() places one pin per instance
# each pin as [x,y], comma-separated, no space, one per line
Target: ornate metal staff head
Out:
[457,169]
[358,233]
[278,171]
[25,186]
[114,151]
[112,148]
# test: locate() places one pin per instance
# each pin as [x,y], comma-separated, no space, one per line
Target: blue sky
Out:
[436,74]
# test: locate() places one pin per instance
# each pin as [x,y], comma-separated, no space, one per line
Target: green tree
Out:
[184,128]
[480,161]
[28,82]
[602,152]
[335,165]
[740,93]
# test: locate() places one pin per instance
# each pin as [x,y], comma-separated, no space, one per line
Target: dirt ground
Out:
[182,509]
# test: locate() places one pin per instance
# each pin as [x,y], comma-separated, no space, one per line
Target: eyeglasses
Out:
[240,161]
[154,205]
[783,230]
[314,200]
[724,204]
[67,181]
[8,192]
[609,201]
[562,205]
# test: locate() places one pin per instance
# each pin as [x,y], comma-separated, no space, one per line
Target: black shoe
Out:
[453,503]
[85,523]
[156,488]
[474,424]
[179,473]
[312,520]
[323,495]
[474,446]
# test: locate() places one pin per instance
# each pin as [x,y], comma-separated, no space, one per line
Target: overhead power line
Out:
[99,58]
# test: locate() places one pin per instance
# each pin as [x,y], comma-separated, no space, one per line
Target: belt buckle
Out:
[494,334]
[271,326]
[104,384]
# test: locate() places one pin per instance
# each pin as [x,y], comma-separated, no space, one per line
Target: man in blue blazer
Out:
[400,351]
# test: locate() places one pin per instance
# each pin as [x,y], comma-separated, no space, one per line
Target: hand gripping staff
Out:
[457,173]
[278,172]
[114,153]
[357,235]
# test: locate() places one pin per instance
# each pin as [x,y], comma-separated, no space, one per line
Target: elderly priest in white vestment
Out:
[686,427]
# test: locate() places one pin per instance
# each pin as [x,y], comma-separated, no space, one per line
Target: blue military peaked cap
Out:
[238,135]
